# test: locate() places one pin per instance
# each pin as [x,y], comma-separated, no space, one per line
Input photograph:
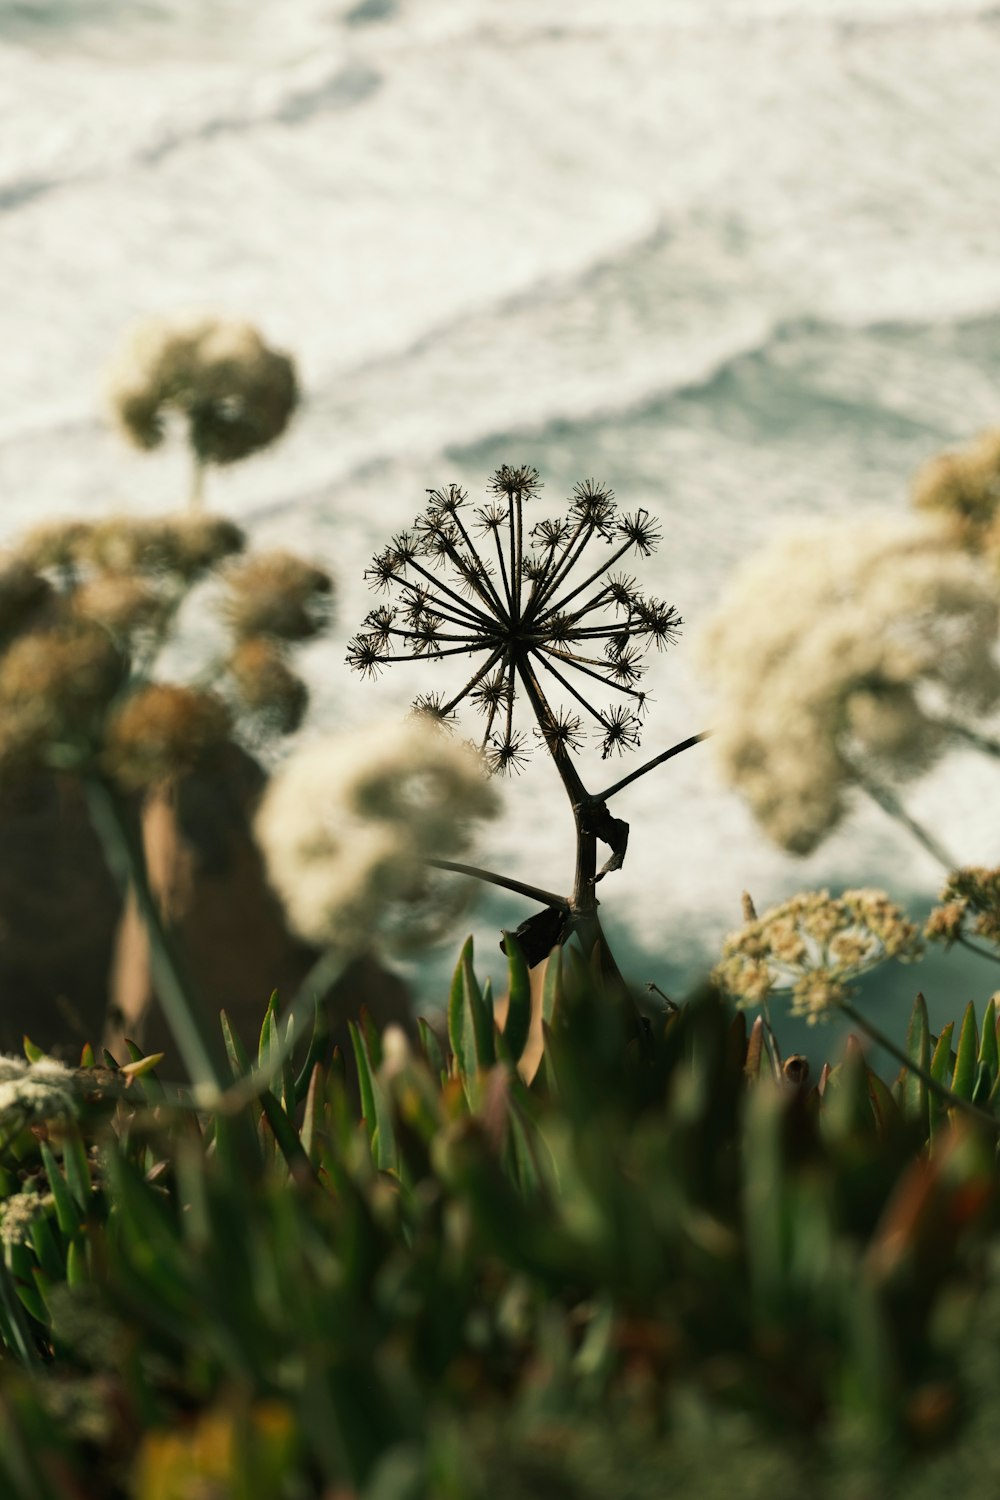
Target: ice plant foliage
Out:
[535,604]
[814,946]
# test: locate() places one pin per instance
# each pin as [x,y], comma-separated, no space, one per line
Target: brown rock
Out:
[205,867]
[58,913]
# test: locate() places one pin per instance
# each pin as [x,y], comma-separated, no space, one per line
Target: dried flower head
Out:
[54,544]
[163,730]
[277,594]
[970,903]
[124,606]
[814,946]
[823,654]
[22,591]
[184,546]
[265,686]
[55,687]
[531,607]
[963,489]
[235,393]
[347,824]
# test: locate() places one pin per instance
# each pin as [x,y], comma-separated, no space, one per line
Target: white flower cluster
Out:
[824,654]
[34,1091]
[18,1213]
[347,824]
[814,945]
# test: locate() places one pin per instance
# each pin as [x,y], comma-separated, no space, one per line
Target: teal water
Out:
[738,258]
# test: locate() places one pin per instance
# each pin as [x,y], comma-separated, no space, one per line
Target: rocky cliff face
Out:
[74,962]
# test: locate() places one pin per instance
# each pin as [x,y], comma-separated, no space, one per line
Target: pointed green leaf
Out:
[383,1134]
[886,1109]
[479,1016]
[268,1030]
[552,987]
[460,1033]
[87,1058]
[235,1050]
[77,1166]
[366,1082]
[964,1076]
[67,1213]
[32,1053]
[940,1068]
[913,1090]
[431,1046]
[285,1134]
[373,1038]
[44,1242]
[518,1023]
[312,1119]
[989,1049]
[77,1273]
[319,1041]
[755,1050]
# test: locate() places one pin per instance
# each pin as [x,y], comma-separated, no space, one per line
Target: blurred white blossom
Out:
[843,646]
[347,824]
[29,1091]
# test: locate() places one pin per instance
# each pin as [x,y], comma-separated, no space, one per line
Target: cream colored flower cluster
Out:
[824,654]
[41,1090]
[347,824]
[814,946]
[235,392]
[970,900]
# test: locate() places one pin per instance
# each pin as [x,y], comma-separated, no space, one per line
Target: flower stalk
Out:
[541,624]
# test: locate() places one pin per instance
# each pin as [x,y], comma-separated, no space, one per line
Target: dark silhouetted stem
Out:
[650,765]
[533,892]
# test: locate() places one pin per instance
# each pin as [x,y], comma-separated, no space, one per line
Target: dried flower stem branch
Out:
[650,765]
[533,892]
[975,948]
[126,860]
[941,1090]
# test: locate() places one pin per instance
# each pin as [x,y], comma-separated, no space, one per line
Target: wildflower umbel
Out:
[970,900]
[814,946]
[532,607]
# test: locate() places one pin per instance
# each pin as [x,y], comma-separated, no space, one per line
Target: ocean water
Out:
[738,258]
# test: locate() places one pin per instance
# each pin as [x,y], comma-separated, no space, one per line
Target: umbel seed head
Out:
[536,610]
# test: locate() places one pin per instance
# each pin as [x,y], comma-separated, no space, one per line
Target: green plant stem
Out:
[887,800]
[975,948]
[943,1092]
[126,859]
[533,892]
[650,765]
[196,495]
[972,737]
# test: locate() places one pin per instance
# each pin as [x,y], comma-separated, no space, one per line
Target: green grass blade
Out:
[67,1214]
